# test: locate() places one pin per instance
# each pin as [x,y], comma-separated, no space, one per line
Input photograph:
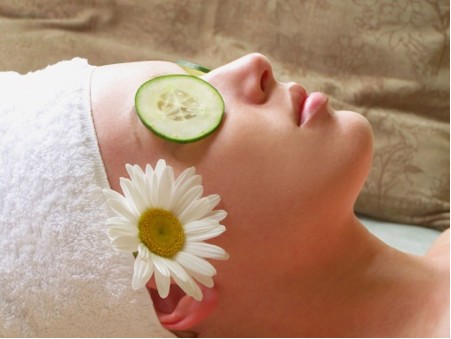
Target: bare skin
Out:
[301,263]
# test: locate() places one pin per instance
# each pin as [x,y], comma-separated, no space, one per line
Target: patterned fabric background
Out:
[387,59]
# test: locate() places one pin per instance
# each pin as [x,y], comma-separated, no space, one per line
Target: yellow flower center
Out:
[161,232]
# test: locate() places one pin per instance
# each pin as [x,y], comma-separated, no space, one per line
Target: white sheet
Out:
[407,238]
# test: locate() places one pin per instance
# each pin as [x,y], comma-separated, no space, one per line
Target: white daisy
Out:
[166,220]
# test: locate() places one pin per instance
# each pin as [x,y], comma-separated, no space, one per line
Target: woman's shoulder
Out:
[439,250]
[439,255]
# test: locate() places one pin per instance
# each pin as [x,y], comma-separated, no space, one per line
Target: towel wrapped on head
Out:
[59,277]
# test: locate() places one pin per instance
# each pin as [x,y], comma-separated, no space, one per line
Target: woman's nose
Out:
[251,77]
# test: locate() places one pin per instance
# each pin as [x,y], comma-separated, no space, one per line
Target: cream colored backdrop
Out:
[387,59]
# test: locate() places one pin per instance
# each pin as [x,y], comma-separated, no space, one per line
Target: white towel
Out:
[59,276]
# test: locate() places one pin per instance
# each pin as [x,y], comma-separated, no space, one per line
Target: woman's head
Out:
[286,165]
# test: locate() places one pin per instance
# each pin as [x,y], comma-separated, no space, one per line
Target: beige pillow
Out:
[387,59]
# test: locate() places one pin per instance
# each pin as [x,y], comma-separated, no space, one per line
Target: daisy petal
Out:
[149,174]
[149,170]
[136,174]
[180,194]
[184,176]
[215,199]
[153,182]
[203,279]
[181,203]
[138,177]
[165,189]
[144,252]
[190,288]
[116,231]
[175,268]
[161,165]
[218,215]
[160,265]
[121,208]
[185,186]
[203,250]
[163,283]
[113,195]
[196,210]
[135,199]
[121,225]
[200,226]
[142,272]
[118,222]
[195,264]
[212,233]
[125,243]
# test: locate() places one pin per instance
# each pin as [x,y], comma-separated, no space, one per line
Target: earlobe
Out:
[180,312]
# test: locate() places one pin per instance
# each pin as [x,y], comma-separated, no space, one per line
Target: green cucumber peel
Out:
[192,68]
[180,108]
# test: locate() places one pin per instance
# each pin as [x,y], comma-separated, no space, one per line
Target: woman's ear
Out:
[180,312]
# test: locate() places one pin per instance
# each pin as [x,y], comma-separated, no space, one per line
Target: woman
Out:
[288,169]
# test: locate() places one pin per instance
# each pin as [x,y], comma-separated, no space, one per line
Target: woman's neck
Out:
[363,287]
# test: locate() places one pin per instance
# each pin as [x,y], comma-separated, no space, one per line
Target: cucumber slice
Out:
[179,107]
[192,68]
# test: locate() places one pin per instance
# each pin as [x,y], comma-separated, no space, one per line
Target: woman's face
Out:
[285,165]
[281,158]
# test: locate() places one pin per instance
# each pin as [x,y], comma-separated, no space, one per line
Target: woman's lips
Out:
[298,96]
[307,107]
[312,106]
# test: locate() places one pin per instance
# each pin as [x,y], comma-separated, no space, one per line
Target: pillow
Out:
[387,59]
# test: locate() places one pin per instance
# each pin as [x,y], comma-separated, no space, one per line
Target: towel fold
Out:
[59,276]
